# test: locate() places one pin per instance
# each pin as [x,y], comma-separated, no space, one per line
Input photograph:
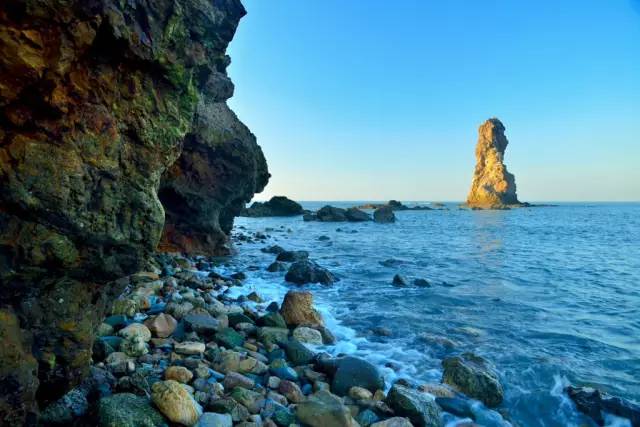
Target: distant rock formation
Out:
[276,206]
[332,214]
[493,187]
[396,206]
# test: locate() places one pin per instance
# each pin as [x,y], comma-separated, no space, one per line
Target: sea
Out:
[550,295]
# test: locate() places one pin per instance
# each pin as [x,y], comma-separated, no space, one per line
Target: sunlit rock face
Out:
[97,100]
[493,187]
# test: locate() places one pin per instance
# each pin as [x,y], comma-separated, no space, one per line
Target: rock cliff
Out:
[493,187]
[102,104]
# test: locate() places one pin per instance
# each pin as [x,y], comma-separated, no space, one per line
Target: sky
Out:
[378,100]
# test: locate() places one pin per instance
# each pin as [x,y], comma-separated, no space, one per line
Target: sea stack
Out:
[493,187]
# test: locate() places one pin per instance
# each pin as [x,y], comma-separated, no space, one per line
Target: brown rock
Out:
[297,309]
[291,391]
[162,325]
[178,373]
[493,187]
[175,402]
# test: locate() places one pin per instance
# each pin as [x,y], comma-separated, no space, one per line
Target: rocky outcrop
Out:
[332,214]
[276,206]
[384,215]
[473,376]
[595,404]
[493,187]
[220,169]
[396,206]
[97,100]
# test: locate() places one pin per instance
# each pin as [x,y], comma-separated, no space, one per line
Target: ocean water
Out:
[550,295]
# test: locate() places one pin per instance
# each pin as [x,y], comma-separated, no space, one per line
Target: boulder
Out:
[298,354]
[162,325]
[383,215]
[189,348]
[292,256]
[269,335]
[421,283]
[493,187]
[291,391]
[229,338]
[393,422]
[420,408]
[400,281]
[297,309]
[277,266]
[276,206]
[456,406]
[178,373]
[356,215]
[303,272]
[324,409]
[350,371]
[251,400]
[274,249]
[212,419]
[273,319]
[203,324]
[136,330]
[175,402]
[128,410]
[331,214]
[307,335]
[593,403]
[473,376]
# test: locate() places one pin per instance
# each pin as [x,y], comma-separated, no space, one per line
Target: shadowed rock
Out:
[276,206]
[97,100]
[594,403]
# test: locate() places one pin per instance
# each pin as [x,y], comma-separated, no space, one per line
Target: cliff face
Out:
[220,169]
[493,187]
[97,100]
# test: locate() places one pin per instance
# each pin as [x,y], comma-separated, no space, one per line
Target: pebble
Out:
[189,347]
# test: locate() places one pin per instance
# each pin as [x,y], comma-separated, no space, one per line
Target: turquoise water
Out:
[550,295]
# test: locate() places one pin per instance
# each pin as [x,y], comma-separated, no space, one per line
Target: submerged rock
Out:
[302,272]
[276,206]
[493,187]
[473,376]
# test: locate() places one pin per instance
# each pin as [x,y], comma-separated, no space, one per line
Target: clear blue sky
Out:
[372,99]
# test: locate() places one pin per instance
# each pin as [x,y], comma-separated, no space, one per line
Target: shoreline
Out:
[203,282]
